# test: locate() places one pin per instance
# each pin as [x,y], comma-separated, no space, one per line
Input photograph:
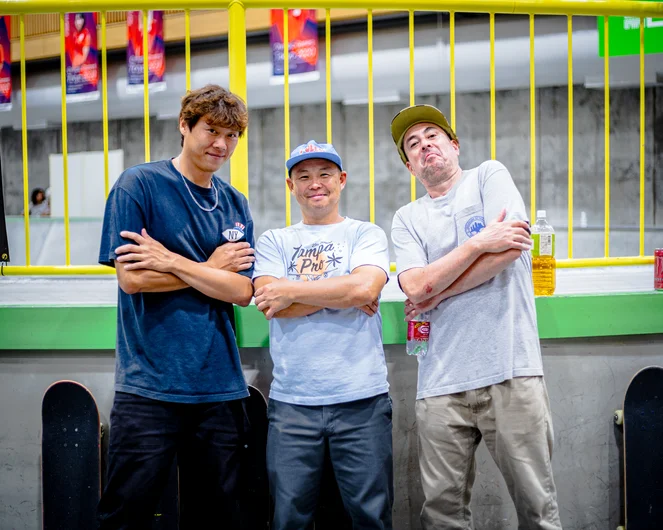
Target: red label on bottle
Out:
[658,269]
[418,330]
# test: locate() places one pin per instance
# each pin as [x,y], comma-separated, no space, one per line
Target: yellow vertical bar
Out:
[492,86]
[606,95]
[146,86]
[286,106]
[187,47]
[413,180]
[104,99]
[452,68]
[239,162]
[65,168]
[371,139]
[642,136]
[24,141]
[532,119]
[328,74]
[570,134]
[411,48]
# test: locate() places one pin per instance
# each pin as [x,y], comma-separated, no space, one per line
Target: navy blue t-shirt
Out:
[176,346]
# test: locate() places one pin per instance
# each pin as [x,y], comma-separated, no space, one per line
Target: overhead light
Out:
[86,96]
[167,115]
[363,100]
[304,77]
[152,88]
[127,91]
[32,126]
[597,82]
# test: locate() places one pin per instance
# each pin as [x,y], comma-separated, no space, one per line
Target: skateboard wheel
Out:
[619,420]
[620,527]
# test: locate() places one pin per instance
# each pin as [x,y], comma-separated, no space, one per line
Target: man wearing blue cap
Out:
[482,377]
[318,282]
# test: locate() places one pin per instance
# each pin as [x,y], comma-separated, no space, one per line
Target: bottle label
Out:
[544,245]
[418,330]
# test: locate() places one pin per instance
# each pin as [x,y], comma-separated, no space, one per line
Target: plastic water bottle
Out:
[418,330]
[543,256]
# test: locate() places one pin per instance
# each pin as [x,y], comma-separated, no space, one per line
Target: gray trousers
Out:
[514,419]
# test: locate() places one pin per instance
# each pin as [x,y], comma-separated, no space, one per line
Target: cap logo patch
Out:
[312,149]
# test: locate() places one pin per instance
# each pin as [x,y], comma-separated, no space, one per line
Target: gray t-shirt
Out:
[488,334]
[334,355]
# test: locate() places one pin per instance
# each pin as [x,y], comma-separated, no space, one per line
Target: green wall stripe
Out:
[600,315]
[58,328]
[94,327]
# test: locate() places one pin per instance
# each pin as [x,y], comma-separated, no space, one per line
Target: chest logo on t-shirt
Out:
[234,234]
[474,225]
[315,262]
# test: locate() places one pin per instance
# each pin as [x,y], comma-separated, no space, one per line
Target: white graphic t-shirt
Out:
[334,355]
[488,334]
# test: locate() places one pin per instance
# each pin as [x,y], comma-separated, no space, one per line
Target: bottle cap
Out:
[541,213]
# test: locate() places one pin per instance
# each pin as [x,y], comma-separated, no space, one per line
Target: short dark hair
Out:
[36,192]
[220,106]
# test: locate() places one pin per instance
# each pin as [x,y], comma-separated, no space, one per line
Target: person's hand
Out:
[413,310]
[273,297]
[500,235]
[370,309]
[147,253]
[232,257]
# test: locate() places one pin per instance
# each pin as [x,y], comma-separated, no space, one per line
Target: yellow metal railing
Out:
[286,108]
[532,114]
[65,173]
[237,73]
[328,93]
[606,156]
[24,144]
[569,32]
[642,137]
[104,100]
[371,124]
[413,180]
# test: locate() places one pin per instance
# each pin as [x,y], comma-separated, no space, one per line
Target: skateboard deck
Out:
[642,419]
[71,457]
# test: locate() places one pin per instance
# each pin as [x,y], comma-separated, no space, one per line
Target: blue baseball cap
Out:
[313,149]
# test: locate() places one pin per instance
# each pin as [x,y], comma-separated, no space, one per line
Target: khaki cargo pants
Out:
[514,419]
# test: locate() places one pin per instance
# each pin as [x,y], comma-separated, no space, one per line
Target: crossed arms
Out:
[148,267]
[476,261]
[283,298]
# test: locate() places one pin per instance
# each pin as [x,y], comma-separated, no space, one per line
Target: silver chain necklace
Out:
[216,193]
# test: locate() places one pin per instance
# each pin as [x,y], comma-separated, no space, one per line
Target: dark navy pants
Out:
[358,437]
[145,436]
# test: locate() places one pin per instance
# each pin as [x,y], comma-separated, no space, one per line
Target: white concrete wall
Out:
[586,381]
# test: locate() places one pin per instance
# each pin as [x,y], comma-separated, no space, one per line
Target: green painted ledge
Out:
[559,317]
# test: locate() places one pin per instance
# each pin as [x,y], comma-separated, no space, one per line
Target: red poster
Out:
[81,56]
[156,47]
[5,65]
[302,44]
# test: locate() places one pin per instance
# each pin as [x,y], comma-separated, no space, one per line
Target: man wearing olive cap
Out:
[317,282]
[482,376]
